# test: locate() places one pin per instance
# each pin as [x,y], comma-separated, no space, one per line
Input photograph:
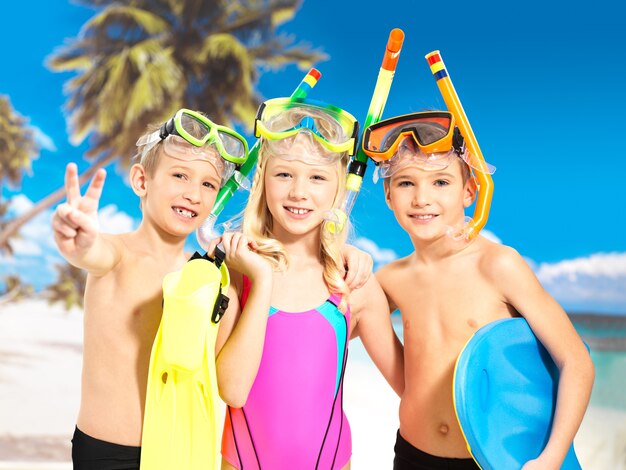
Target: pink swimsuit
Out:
[294,417]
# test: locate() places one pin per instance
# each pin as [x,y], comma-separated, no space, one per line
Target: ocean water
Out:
[606,337]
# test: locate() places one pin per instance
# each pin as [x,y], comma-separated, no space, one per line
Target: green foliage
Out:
[69,287]
[18,146]
[14,289]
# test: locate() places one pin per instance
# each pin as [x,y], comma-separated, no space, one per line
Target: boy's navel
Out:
[472,323]
[407,325]
[443,429]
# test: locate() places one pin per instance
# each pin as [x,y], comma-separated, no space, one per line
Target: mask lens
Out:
[334,126]
[232,145]
[331,129]
[429,132]
[319,122]
[195,128]
[426,129]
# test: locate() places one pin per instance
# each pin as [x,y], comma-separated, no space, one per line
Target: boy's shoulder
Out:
[127,247]
[498,261]
[394,267]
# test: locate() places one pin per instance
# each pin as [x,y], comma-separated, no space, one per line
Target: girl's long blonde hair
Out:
[258,224]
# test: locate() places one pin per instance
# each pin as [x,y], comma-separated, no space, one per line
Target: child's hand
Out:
[75,222]
[539,464]
[358,265]
[241,255]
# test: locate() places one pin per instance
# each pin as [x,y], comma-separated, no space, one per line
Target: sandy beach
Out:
[40,365]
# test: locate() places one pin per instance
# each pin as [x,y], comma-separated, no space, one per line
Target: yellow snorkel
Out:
[358,166]
[485,183]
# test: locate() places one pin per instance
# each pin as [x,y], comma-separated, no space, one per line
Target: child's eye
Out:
[405,184]
[319,177]
[180,175]
[283,175]
[441,183]
[208,184]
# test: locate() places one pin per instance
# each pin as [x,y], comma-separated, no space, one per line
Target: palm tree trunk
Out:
[14,225]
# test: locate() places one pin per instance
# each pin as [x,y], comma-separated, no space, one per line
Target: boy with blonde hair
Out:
[182,166]
[447,289]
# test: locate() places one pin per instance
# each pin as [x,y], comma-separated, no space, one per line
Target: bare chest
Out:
[445,311]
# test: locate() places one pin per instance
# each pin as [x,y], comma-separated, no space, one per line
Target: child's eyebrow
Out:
[321,169]
[181,167]
[444,173]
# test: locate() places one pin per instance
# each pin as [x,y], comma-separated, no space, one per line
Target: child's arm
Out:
[369,308]
[381,277]
[521,289]
[358,266]
[75,226]
[241,335]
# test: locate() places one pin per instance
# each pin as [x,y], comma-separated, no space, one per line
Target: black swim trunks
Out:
[411,458]
[89,453]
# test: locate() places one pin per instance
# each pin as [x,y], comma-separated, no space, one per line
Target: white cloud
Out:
[19,204]
[491,236]
[610,265]
[596,282]
[44,140]
[25,247]
[113,221]
[381,256]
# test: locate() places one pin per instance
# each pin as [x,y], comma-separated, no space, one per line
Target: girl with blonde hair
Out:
[281,361]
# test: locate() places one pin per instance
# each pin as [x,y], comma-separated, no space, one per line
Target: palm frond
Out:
[18,145]
[140,61]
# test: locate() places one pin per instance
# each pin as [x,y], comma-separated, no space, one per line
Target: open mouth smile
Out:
[185,212]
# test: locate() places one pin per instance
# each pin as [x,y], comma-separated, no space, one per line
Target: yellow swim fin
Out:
[182,426]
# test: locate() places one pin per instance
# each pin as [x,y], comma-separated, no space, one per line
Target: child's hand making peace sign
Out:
[75,222]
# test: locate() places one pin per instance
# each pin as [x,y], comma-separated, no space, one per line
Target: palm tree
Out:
[18,148]
[138,61]
[69,287]
[14,290]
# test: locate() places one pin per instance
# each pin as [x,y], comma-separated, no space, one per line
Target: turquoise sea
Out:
[606,337]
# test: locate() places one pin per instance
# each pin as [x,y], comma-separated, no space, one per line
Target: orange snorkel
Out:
[485,183]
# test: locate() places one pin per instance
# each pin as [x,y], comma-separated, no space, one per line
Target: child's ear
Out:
[471,188]
[138,179]
[387,192]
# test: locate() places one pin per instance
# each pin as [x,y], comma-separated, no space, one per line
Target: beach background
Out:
[40,363]
[544,100]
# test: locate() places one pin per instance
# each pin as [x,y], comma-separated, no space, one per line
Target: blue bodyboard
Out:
[505,386]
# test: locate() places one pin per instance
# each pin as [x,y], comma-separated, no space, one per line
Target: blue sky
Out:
[541,83]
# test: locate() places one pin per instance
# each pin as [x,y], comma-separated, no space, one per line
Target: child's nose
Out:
[421,196]
[192,194]
[298,189]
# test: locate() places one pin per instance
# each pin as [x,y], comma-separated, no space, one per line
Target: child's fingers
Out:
[63,212]
[349,275]
[72,188]
[62,229]
[242,242]
[252,243]
[212,245]
[83,222]
[94,191]
[226,239]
